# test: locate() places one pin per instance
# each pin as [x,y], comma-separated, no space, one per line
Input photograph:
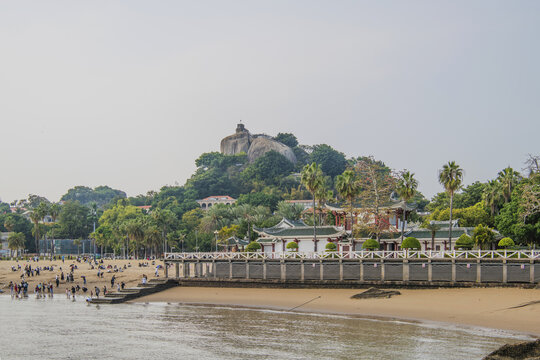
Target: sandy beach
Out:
[499,308]
[131,276]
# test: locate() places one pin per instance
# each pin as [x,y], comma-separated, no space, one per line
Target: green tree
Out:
[506,243]
[451,177]
[331,161]
[292,246]
[433,228]
[74,220]
[36,216]
[287,139]
[483,236]
[289,211]
[253,246]
[411,243]
[348,188]
[464,242]
[508,179]
[165,221]
[406,188]
[9,223]
[16,241]
[371,244]
[311,178]
[492,196]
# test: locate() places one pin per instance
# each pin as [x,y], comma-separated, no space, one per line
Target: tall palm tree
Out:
[508,179]
[492,196]
[165,220]
[311,178]
[54,211]
[451,177]
[433,228]
[348,188]
[36,216]
[135,232]
[406,188]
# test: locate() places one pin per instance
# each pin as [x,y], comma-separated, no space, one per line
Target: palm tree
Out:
[348,188]
[492,196]
[451,177]
[77,242]
[36,216]
[9,223]
[289,211]
[406,188]
[54,211]
[16,241]
[165,219]
[322,195]
[433,228]
[135,232]
[508,179]
[312,178]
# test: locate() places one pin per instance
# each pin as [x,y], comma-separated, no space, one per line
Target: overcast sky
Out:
[129,93]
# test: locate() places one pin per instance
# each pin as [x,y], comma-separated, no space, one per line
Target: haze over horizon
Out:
[129,93]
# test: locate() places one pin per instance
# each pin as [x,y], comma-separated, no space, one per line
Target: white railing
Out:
[402,254]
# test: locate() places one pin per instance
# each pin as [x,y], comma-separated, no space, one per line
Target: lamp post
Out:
[216,233]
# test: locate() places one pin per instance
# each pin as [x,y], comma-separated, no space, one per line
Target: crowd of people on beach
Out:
[66,275]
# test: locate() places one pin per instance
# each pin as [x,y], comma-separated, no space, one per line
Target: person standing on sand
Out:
[97,291]
[112,280]
[57,281]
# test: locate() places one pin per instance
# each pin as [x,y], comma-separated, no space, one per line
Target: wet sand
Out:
[499,308]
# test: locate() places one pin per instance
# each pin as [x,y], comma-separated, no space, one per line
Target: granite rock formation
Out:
[261,145]
[254,146]
[237,142]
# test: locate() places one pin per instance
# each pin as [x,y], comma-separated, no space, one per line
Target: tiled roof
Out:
[301,231]
[218,197]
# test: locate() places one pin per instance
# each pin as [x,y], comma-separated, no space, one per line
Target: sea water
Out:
[62,329]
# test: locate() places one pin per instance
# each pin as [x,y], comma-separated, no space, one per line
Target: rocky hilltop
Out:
[254,146]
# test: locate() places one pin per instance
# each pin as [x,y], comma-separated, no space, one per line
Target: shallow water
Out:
[61,329]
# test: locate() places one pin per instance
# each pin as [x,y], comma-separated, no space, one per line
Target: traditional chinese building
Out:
[276,238]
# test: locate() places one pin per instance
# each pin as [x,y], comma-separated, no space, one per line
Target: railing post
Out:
[341,269]
[283,270]
[429,271]
[478,271]
[405,270]
[247,269]
[166,269]
[321,268]
[214,268]
[531,274]
[361,270]
[453,270]
[264,269]
[382,269]
[230,269]
[177,270]
[302,270]
[505,270]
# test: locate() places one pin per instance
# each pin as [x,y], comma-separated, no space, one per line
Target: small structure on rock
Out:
[255,146]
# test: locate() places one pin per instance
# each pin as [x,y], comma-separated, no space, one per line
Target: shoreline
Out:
[491,308]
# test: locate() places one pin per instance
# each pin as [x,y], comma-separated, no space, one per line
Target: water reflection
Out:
[60,329]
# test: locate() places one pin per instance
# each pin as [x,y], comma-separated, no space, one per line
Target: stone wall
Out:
[369,270]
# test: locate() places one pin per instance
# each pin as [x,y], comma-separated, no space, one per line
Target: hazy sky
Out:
[129,93]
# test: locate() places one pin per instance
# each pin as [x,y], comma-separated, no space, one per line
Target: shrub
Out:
[464,242]
[292,246]
[253,246]
[411,243]
[371,244]
[331,247]
[506,243]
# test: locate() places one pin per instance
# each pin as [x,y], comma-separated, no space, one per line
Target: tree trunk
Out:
[402,225]
[314,224]
[450,229]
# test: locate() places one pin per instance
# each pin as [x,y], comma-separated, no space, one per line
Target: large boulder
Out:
[236,143]
[261,145]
